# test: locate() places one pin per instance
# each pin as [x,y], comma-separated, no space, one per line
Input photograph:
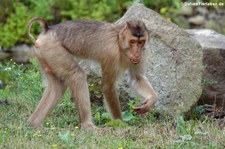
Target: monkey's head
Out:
[133,37]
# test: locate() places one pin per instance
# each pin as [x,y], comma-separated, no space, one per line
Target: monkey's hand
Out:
[144,107]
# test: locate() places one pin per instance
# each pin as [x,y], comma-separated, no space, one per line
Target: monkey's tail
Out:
[42,22]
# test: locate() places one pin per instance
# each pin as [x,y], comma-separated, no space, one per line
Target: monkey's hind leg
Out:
[50,98]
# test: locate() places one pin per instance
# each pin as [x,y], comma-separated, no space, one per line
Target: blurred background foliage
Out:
[14,14]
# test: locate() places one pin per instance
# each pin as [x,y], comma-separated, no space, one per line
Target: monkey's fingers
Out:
[144,108]
[140,110]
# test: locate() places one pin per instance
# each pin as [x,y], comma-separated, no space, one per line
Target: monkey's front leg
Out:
[112,101]
[111,98]
[144,88]
[80,95]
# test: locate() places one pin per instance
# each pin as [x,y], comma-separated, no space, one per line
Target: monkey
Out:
[117,48]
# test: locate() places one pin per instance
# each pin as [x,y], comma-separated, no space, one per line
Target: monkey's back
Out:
[84,37]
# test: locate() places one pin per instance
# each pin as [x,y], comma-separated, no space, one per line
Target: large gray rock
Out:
[174,62]
[213,45]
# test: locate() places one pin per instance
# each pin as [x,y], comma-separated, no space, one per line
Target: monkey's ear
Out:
[123,30]
[129,24]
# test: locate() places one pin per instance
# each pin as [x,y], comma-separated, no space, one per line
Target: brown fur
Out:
[115,47]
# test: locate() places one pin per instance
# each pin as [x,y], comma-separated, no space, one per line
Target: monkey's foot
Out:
[36,127]
[34,124]
[88,126]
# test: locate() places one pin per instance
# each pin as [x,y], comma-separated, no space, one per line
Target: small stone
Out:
[21,53]
[197,20]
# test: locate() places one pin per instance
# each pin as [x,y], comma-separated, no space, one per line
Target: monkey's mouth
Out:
[135,62]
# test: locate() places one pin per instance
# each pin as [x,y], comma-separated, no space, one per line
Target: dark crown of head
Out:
[137,28]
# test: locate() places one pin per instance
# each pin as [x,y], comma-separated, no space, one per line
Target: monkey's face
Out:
[134,37]
[136,49]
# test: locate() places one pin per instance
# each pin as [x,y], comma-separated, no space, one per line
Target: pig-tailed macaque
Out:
[116,47]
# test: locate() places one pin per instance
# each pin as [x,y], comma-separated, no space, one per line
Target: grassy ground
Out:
[19,98]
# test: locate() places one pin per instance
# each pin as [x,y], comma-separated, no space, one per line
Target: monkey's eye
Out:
[132,41]
[142,42]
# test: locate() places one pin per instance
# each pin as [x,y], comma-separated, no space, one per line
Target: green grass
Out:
[154,130]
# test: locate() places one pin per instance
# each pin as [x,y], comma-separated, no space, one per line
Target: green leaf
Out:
[65,137]
[127,116]
[97,117]
[181,127]
[106,116]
